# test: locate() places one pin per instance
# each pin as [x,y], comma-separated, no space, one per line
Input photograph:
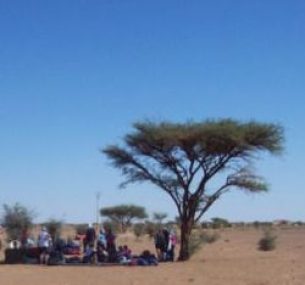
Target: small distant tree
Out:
[218,223]
[195,163]
[124,214]
[17,220]
[159,217]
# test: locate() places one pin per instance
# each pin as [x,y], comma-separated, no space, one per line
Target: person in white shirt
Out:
[44,244]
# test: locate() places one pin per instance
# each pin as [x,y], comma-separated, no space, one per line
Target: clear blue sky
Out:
[74,76]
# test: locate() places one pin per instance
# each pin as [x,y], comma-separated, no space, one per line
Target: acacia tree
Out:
[124,214]
[188,161]
[159,217]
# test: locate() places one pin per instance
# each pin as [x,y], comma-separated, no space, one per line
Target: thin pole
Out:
[97,196]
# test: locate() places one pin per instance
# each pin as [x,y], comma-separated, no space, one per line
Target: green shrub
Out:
[267,242]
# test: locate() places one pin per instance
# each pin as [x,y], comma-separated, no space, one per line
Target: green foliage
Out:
[54,228]
[17,220]
[183,158]
[268,241]
[124,214]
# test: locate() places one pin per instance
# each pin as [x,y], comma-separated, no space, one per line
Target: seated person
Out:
[89,255]
[102,254]
[127,252]
[147,258]
[123,255]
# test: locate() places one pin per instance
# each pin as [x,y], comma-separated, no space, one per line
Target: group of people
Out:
[97,248]
[101,246]
[165,243]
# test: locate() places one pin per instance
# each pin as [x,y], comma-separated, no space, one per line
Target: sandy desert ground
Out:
[233,259]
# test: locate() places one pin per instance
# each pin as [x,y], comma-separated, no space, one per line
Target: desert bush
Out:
[195,243]
[150,229]
[139,229]
[207,237]
[199,238]
[17,220]
[268,241]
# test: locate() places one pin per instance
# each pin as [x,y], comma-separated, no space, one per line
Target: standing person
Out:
[165,245]
[160,244]
[102,238]
[171,245]
[89,239]
[111,246]
[44,244]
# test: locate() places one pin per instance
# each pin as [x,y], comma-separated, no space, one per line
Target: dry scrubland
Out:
[233,259]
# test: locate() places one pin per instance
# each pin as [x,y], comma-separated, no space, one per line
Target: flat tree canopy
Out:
[159,217]
[184,158]
[124,214]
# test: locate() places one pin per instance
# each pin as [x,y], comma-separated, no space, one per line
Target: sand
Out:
[233,259]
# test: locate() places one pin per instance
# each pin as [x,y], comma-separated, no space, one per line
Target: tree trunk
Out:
[186,229]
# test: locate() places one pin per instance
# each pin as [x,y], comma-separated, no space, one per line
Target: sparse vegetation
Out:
[17,220]
[150,229]
[199,238]
[139,229]
[268,241]
[211,237]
